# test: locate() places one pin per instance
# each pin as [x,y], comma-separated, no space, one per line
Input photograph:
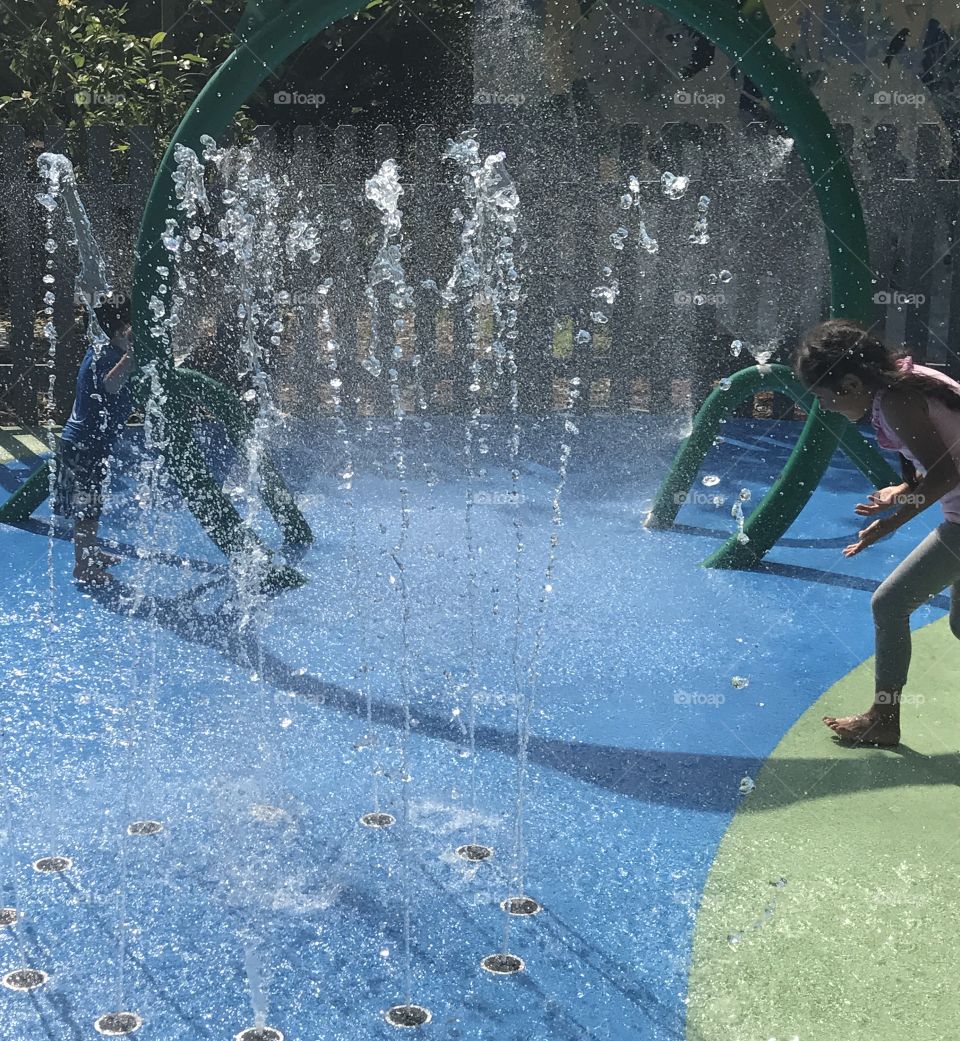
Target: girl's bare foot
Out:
[873,727]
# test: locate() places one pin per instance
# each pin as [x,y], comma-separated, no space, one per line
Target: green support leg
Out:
[190,466]
[214,511]
[28,497]
[817,441]
[229,410]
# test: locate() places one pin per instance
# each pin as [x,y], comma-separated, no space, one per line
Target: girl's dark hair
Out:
[113,313]
[842,347]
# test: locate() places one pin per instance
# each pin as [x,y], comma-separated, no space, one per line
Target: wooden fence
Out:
[669,334]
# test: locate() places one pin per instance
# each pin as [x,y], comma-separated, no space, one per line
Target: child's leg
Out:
[84,539]
[924,573]
[88,566]
[955,609]
[934,564]
[88,494]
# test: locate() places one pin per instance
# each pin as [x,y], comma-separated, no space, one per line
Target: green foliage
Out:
[78,63]
[81,62]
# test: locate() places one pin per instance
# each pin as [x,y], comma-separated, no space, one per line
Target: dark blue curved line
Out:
[687,780]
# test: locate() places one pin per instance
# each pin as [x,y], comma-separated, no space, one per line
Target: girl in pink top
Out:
[916,412]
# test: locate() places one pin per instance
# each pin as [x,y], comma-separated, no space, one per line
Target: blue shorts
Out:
[80,478]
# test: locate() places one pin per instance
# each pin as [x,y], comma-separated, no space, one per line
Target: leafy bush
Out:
[78,63]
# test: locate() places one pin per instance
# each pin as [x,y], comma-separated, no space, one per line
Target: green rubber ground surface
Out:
[861,942]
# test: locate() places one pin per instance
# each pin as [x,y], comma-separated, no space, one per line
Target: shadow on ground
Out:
[694,781]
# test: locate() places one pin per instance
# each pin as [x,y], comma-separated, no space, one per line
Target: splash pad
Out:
[258,898]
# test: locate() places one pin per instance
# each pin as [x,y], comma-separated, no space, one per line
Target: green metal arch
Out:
[747,38]
[747,382]
[744,33]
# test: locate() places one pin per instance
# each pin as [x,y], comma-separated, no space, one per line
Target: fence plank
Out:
[535,327]
[19,263]
[140,166]
[627,351]
[342,174]
[305,147]
[430,256]
[924,254]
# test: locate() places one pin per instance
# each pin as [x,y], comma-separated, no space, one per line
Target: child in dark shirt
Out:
[100,411]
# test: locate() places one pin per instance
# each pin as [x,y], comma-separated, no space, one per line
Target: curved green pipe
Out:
[28,497]
[675,489]
[210,114]
[225,406]
[747,38]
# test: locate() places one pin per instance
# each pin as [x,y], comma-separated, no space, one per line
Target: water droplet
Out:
[674,187]
[647,242]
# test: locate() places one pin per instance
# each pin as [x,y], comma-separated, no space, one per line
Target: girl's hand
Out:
[879,529]
[881,500]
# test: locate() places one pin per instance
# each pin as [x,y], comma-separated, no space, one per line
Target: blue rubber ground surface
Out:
[252,747]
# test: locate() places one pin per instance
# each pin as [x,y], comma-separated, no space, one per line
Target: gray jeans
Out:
[930,568]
